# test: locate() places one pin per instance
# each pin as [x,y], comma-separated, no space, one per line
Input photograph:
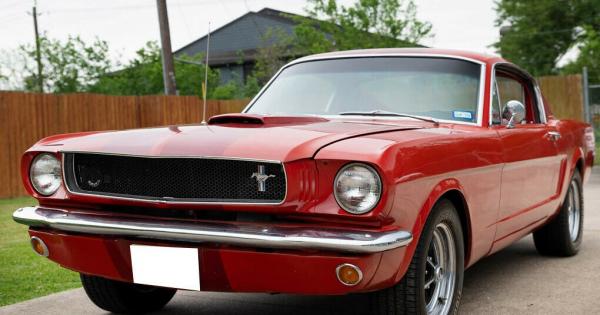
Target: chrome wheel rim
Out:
[574,211]
[440,271]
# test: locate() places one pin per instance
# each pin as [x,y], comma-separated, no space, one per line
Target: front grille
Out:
[174,178]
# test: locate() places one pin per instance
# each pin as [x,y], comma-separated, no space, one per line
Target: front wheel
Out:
[125,298]
[433,282]
[563,234]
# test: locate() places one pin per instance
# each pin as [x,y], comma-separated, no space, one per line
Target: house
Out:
[233,46]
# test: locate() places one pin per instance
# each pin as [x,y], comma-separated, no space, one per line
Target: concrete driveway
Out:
[515,280]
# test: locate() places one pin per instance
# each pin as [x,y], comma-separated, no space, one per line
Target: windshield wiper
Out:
[385,113]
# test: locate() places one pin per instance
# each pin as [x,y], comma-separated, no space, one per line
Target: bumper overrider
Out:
[67,232]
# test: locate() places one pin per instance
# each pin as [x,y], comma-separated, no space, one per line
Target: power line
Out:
[10,4]
[185,23]
[135,7]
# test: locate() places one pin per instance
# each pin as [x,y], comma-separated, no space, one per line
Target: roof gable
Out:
[242,34]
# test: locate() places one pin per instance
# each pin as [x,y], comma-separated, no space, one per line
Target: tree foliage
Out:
[68,66]
[143,76]
[277,49]
[329,26]
[365,24]
[589,56]
[74,66]
[543,31]
[12,63]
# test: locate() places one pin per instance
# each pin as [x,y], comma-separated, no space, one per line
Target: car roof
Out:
[429,52]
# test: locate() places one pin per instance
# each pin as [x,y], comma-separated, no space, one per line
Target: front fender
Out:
[441,189]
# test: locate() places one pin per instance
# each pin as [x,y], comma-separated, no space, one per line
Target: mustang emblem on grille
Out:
[261,178]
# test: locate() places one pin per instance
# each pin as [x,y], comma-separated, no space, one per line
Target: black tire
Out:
[125,298]
[554,238]
[408,296]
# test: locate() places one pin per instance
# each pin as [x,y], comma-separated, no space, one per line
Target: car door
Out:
[530,173]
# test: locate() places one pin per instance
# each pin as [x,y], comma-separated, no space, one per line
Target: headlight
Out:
[357,188]
[45,174]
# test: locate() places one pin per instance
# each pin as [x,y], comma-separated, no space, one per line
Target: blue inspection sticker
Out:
[462,115]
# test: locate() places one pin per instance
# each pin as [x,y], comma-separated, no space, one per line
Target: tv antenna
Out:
[205,83]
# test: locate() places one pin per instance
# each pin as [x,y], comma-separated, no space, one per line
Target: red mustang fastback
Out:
[385,172]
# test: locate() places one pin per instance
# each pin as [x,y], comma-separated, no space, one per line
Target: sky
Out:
[128,24]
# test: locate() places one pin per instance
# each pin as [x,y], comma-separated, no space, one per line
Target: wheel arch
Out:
[577,162]
[452,190]
[462,208]
[580,166]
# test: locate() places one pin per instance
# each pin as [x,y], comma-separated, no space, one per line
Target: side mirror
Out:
[514,111]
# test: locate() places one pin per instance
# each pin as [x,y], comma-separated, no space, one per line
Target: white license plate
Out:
[172,267]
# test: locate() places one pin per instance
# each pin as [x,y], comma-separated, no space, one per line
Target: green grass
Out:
[23,274]
[597,136]
[597,162]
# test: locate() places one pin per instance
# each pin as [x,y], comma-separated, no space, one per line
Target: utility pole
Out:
[38,55]
[586,95]
[167,54]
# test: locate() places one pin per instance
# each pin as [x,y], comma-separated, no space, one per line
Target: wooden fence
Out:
[565,95]
[27,117]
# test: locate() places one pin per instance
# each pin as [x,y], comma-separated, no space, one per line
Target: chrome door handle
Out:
[553,135]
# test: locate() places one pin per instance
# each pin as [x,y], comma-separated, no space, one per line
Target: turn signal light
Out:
[348,274]
[39,246]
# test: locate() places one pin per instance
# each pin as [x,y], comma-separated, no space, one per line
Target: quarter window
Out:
[495,109]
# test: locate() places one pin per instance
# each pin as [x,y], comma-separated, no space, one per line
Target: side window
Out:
[514,85]
[510,89]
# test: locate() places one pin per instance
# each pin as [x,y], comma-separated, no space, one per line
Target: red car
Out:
[385,172]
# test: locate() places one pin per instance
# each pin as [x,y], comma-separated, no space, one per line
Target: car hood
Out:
[240,136]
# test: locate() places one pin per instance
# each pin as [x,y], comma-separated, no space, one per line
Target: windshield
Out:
[440,88]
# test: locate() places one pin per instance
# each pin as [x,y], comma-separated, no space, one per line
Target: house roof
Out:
[240,38]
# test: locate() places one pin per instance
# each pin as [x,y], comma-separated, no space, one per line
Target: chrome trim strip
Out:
[207,157]
[481,100]
[494,84]
[382,54]
[433,55]
[541,105]
[244,235]
[165,201]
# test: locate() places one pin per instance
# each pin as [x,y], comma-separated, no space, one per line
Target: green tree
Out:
[541,32]
[329,27]
[366,24]
[11,69]
[589,56]
[277,48]
[68,66]
[143,76]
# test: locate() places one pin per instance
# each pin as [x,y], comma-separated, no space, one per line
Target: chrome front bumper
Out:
[246,235]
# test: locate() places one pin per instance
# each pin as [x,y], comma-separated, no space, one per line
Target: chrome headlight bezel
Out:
[53,169]
[344,204]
